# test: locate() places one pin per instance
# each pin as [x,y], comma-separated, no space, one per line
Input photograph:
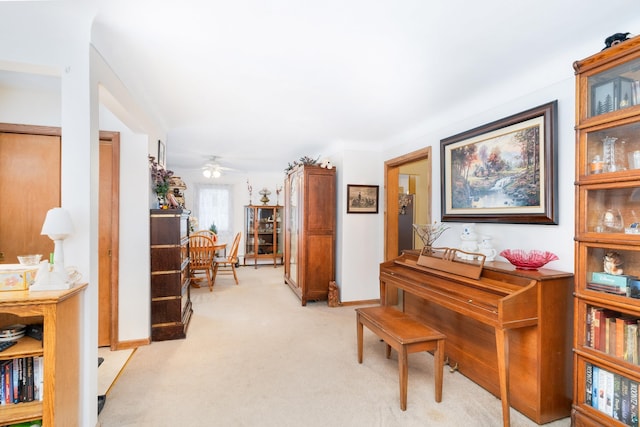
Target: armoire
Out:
[310,231]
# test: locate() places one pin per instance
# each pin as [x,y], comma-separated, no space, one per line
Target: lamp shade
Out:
[211,172]
[57,224]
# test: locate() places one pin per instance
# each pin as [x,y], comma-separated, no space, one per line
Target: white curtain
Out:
[214,205]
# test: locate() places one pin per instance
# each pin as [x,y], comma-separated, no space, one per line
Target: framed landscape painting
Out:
[504,171]
[362,198]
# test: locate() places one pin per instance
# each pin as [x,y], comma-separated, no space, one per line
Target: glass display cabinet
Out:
[263,234]
[607,240]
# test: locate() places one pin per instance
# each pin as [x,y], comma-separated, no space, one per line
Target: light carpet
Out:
[254,356]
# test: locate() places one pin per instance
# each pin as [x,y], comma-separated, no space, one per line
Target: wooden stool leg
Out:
[404,375]
[359,333]
[388,351]
[438,361]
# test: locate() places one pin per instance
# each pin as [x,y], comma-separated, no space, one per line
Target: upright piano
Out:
[510,330]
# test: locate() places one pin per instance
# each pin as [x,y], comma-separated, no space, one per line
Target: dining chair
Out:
[207,233]
[227,264]
[201,255]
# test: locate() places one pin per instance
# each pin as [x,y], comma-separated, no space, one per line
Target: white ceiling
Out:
[260,83]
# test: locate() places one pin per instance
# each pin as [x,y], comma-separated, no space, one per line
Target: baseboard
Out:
[126,345]
[362,302]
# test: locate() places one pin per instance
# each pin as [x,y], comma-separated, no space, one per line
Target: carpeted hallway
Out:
[255,357]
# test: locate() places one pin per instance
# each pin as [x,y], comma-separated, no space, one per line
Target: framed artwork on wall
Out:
[162,154]
[362,198]
[504,171]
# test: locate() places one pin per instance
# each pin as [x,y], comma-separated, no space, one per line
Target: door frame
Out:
[114,139]
[391,208]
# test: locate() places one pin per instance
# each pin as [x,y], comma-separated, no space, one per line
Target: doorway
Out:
[417,164]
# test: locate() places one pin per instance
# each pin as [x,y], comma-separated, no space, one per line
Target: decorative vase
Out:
[486,248]
[469,241]
[162,200]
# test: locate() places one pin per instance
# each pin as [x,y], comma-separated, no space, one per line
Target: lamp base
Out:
[53,281]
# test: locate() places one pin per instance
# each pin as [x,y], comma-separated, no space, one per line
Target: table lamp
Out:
[57,225]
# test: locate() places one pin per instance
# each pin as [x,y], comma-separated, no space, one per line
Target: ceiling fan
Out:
[213,169]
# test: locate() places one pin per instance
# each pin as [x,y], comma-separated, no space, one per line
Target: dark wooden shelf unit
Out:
[170,283]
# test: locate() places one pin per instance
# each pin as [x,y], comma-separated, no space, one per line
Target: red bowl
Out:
[528,260]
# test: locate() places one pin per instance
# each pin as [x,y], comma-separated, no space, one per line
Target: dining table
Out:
[217,246]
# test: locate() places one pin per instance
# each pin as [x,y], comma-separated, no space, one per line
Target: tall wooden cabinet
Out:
[263,233]
[607,241]
[309,243]
[170,291]
[59,314]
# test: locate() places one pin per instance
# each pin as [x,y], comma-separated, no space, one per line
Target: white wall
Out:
[555,238]
[133,275]
[359,242]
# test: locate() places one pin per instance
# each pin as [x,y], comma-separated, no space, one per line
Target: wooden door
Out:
[30,186]
[108,232]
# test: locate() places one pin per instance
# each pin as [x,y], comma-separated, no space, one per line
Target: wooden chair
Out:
[201,255]
[227,264]
[213,236]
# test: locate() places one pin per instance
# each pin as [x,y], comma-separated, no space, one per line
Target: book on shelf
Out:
[633,402]
[617,397]
[633,289]
[618,280]
[29,379]
[595,316]
[16,383]
[622,325]
[611,331]
[38,378]
[625,412]
[594,390]
[610,289]
[623,285]
[631,337]
[588,383]
[7,381]
[602,390]
[612,394]
[21,380]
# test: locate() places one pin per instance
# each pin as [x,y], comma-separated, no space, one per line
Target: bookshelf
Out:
[59,351]
[171,306]
[607,240]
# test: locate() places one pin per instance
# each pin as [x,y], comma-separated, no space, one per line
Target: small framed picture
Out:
[162,154]
[362,198]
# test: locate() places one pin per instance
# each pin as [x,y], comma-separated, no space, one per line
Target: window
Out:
[214,205]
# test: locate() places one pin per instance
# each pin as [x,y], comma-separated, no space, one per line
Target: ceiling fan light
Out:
[207,173]
[216,173]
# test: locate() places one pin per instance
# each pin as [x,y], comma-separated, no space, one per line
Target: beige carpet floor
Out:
[255,357]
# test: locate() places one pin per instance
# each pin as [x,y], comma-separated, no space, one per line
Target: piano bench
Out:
[405,335]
